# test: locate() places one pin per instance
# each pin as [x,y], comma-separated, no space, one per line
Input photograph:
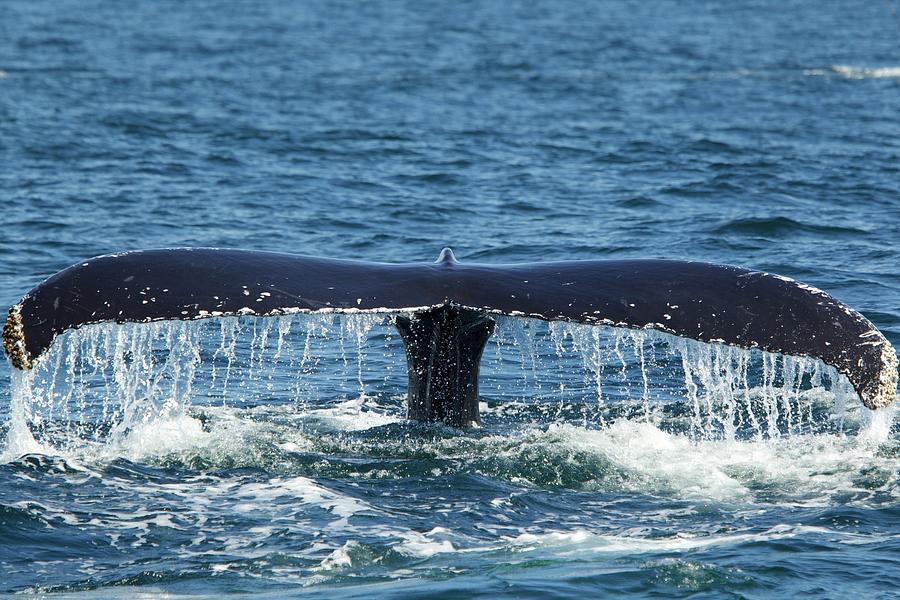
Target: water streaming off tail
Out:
[102,382]
[707,391]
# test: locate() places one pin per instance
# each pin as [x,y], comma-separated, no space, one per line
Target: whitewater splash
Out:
[113,385]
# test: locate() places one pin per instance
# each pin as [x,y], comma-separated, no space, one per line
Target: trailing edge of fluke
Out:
[446,299]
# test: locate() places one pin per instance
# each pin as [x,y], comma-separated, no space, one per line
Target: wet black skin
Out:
[706,302]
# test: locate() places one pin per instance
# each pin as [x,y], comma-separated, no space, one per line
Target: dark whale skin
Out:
[706,302]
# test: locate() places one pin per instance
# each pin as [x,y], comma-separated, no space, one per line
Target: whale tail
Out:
[443,353]
[446,308]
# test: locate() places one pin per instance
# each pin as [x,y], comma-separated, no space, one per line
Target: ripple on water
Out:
[784,226]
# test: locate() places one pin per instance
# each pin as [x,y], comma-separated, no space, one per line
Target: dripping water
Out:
[102,383]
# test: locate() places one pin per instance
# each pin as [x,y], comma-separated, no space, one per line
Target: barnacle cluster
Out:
[14,339]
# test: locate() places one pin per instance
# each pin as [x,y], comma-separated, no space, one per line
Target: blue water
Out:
[757,133]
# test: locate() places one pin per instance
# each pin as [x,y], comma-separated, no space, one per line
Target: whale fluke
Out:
[706,302]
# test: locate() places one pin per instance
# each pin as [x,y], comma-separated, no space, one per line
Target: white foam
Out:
[306,491]
[423,545]
[579,542]
[866,72]
[351,415]
[877,425]
[656,460]
[801,470]
[341,557]
[158,437]
[857,72]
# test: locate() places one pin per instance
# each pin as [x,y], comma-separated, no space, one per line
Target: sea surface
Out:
[269,458]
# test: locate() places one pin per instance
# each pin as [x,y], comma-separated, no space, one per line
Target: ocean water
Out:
[270,457]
